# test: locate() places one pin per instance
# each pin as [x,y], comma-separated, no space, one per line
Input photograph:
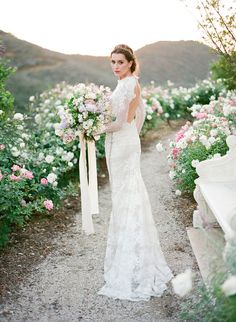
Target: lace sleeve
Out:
[122,105]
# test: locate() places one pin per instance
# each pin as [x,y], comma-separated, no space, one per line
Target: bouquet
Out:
[86,112]
[85,115]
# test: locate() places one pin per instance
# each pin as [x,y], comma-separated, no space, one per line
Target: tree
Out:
[217,21]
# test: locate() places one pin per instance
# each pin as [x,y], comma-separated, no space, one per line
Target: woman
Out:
[135,268]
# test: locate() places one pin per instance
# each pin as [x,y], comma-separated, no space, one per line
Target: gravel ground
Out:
[63,286]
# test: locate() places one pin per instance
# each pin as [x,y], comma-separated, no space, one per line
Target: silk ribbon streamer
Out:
[88,187]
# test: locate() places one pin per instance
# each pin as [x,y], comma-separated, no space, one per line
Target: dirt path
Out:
[63,287]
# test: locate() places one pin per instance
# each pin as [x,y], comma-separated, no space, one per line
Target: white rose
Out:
[49,158]
[172,174]
[211,140]
[229,286]
[25,136]
[70,164]
[182,283]
[38,118]
[213,132]
[1,112]
[149,117]
[59,150]
[159,147]
[15,152]
[51,177]
[24,155]
[68,156]
[31,99]
[55,183]
[40,156]
[18,117]
[178,193]
[194,163]
[22,144]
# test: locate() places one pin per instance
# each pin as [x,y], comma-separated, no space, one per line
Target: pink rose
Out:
[201,115]
[48,204]
[1,176]
[67,138]
[14,178]
[26,174]
[2,146]
[15,167]
[44,181]
[175,152]
[179,136]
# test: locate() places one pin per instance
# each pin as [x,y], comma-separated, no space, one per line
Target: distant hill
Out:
[182,62]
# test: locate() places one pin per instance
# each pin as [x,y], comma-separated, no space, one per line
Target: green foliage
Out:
[210,305]
[6,98]
[225,69]
[196,151]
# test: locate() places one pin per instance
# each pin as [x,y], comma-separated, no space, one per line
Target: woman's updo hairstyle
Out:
[129,55]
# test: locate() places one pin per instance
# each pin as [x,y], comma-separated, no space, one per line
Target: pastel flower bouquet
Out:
[84,116]
[86,112]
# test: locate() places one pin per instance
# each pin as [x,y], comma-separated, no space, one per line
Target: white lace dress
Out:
[134,268]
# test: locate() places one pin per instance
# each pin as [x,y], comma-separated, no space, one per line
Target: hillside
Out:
[182,62]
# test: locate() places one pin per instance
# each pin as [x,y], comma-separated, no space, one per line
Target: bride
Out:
[135,268]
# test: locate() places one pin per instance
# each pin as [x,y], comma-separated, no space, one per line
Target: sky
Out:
[94,27]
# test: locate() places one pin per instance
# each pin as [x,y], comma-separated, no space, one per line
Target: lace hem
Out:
[141,293]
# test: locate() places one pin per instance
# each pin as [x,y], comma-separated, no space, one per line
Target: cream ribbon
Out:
[88,187]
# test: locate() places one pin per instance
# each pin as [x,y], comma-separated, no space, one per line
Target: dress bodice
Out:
[121,97]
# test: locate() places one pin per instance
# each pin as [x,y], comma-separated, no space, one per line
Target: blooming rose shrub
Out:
[29,174]
[35,164]
[172,103]
[205,138]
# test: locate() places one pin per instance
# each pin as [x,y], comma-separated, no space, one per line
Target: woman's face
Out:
[120,65]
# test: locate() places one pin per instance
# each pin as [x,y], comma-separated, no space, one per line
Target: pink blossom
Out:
[2,146]
[67,138]
[175,152]
[14,178]
[201,115]
[1,176]
[185,127]
[179,136]
[15,167]
[48,204]
[26,174]
[44,181]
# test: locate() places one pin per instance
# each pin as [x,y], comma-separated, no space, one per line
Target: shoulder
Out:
[131,83]
[132,87]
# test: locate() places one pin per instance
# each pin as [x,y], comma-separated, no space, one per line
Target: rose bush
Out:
[203,139]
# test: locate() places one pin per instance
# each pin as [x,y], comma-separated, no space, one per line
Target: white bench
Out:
[215,194]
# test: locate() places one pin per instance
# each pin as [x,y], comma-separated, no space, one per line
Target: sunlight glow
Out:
[95,27]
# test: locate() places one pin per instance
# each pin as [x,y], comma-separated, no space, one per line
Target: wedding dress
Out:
[134,268]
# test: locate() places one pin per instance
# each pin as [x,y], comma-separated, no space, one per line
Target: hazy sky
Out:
[94,27]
